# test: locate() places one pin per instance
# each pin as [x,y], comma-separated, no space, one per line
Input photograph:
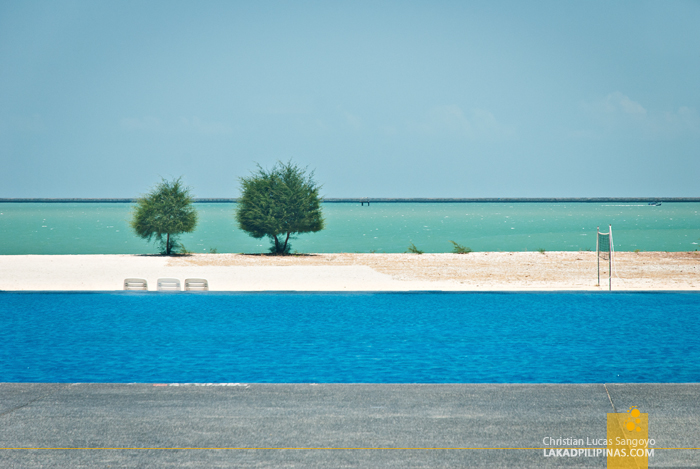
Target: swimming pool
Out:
[349,337]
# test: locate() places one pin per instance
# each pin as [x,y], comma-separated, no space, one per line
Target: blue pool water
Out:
[350,338]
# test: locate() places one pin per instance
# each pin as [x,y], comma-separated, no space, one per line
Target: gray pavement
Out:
[331,425]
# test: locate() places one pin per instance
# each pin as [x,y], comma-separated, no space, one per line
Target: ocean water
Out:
[103,228]
[350,337]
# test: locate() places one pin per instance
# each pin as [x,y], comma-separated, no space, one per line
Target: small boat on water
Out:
[655,204]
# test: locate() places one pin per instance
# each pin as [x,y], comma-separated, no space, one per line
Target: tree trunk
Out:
[284,248]
[167,245]
[277,244]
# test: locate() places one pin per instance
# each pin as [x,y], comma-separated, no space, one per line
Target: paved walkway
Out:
[331,425]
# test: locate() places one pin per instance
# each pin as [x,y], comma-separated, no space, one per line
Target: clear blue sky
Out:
[383,99]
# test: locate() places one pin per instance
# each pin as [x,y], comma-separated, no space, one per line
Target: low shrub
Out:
[182,250]
[459,249]
[413,249]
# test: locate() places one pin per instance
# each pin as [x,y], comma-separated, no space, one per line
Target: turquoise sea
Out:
[103,228]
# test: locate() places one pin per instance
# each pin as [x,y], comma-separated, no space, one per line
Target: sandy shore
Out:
[359,272]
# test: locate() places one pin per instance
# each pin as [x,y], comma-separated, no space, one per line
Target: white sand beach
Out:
[514,271]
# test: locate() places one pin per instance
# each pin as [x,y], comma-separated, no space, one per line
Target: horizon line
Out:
[382,200]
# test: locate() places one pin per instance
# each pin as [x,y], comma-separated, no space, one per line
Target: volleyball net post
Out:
[604,249]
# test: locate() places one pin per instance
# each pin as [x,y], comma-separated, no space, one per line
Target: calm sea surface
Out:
[103,228]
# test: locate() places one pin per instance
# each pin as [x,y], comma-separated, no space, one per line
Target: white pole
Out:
[610,251]
[597,254]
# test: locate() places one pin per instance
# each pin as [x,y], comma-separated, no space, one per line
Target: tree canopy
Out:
[279,203]
[164,213]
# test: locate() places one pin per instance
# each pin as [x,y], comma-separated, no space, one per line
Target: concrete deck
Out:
[331,425]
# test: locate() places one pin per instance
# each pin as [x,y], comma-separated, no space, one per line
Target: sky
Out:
[382,99]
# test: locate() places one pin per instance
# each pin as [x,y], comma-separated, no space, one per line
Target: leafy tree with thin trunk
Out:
[164,213]
[279,204]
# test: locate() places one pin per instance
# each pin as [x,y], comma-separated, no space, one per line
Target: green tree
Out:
[164,213]
[278,204]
